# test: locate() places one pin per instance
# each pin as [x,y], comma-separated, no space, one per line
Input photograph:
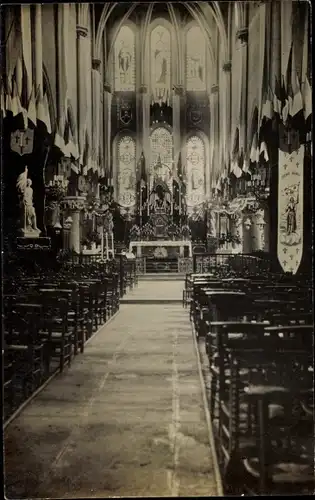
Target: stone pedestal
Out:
[74,205]
[30,233]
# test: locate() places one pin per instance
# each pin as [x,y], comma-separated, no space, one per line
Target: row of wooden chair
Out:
[47,321]
[259,351]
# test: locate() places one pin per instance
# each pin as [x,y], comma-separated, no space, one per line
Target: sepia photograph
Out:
[157,249]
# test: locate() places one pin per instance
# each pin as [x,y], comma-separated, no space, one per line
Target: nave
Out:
[126,419]
[157,162]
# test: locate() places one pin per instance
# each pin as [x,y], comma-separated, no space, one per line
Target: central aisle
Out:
[127,419]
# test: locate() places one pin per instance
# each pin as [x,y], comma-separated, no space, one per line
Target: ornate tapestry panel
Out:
[290,209]
[195,59]
[126,172]
[195,161]
[124,60]
[160,65]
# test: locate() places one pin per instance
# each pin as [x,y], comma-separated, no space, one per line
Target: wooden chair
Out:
[275,376]
[56,332]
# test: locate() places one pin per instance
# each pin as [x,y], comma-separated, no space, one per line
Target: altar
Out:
[161,248]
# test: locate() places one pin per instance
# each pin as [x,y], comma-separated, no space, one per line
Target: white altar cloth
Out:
[162,243]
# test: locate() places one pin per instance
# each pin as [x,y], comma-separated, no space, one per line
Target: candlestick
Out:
[106,239]
[102,244]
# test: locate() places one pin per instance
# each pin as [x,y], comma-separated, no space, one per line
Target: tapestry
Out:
[290,209]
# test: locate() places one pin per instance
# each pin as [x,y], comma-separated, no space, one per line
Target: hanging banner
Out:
[290,209]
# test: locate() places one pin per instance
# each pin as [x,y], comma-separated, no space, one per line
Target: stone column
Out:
[74,205]
[247,233]
[214,163]
[237,230]
[107,129]
[145,114]
[178,132]
[258,230]
[242,35]
[82,32]
[227,66]
[96,110]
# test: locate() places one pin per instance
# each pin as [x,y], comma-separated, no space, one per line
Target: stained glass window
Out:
[195,161]
[126,171]
[161,153]
[160,64]
[195,59]
[124,60]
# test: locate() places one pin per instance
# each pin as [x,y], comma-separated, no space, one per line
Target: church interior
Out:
[157,214]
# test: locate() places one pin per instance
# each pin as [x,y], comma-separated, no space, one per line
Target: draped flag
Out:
[43,114]
[290,209]
[13,45]
[2,97]
[286,34]
[27,46]
[254,152]
[297,101]
[235,168]
[307,108]
[32,112]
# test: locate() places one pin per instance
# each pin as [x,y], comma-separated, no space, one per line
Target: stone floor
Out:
[127,419]
[156,291]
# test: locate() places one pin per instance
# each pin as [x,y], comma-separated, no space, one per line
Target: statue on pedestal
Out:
[24,187]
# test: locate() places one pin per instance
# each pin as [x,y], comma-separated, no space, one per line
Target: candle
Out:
[97,191]
[113,243]
[106,239]
[102,244]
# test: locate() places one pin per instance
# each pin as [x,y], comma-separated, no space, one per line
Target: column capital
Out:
[227,66]
[214,88]
[82,31]
[242,34]
[107,87]
[96,64]
[74,203]
[179,90]
[143,89]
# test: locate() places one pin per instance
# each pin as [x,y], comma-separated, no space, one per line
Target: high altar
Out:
[164,235]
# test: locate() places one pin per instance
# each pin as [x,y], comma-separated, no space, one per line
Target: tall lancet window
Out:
[160,65]
[161,145]
[124,60]
[196,162]
[195,59]
[126,171]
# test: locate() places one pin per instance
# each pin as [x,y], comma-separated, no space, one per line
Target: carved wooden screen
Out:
[195,59]
[124,60]
[126,171]
[195,161]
